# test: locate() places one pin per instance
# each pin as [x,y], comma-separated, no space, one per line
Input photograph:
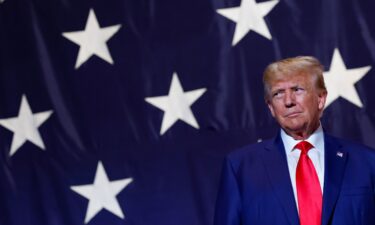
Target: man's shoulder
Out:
[249,150]
[351,146]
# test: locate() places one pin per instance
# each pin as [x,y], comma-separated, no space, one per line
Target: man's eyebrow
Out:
[278,89]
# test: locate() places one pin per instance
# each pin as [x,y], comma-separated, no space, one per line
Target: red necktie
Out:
[308,188]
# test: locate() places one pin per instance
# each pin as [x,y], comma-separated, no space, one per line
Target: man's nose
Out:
[289,99]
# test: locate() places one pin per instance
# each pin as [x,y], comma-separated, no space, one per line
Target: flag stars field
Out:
[25,126]
[340,81]
[102,194]
[92,40]
[176,105]
[249,16]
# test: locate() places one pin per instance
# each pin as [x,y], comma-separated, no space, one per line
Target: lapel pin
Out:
[340,154]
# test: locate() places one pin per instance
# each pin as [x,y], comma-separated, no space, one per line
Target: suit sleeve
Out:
[228,202]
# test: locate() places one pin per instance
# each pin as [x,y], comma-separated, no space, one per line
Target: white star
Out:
[92,40]
[25,126]
[340,81]
[249,16]
[176,105]
[102,193]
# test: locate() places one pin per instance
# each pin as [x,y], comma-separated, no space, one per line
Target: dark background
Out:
[100,112]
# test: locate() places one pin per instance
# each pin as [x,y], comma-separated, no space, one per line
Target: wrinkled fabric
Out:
[99,112]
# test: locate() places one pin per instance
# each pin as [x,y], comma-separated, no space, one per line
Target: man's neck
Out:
[302,135]
[316,139]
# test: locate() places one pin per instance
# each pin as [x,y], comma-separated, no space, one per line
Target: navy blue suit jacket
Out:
[255,186]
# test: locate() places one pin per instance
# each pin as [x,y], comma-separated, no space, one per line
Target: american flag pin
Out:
[340,154]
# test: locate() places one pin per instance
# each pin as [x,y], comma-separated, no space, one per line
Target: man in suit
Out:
[303,176]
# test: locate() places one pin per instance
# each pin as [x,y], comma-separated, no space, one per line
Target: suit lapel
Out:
[277,168]
[335,161]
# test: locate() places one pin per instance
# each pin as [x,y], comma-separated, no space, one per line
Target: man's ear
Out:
[322,97]
[270,106]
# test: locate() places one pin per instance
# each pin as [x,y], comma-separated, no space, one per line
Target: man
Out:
[303,175]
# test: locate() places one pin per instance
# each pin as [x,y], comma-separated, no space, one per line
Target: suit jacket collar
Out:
[276,165]
[335,163]
[275,161]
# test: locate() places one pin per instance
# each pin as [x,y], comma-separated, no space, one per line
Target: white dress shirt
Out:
[316,155]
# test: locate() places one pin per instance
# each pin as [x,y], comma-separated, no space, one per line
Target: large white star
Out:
[92,40]
[102,194]
[25,126]
[340,81]
[176,105]
[249,16]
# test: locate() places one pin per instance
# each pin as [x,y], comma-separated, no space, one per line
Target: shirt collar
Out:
[316,139]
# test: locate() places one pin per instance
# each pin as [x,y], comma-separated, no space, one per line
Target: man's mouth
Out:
[293,114]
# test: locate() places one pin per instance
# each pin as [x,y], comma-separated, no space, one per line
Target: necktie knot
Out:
[304,146]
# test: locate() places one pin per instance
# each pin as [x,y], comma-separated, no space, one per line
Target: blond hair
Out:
[282,69]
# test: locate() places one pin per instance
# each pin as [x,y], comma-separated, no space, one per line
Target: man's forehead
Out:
[290,82]
[291,74]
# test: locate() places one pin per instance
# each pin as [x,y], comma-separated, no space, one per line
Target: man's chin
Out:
[295,128]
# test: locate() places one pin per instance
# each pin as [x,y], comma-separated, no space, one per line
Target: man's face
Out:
[296,104]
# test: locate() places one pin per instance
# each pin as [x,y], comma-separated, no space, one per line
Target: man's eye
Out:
[277,94]
[298,89]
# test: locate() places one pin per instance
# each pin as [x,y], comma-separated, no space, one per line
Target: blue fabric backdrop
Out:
[81,137]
